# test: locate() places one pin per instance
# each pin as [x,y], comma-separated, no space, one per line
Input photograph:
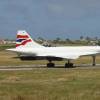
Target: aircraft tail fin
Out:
[24,40]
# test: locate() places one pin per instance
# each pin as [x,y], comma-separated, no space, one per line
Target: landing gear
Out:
[94,61]
[50,64]
[69,64]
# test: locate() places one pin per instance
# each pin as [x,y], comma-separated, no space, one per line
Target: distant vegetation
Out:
[60,42]
[6,46]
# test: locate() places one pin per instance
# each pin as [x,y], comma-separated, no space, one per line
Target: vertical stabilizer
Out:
[24,40]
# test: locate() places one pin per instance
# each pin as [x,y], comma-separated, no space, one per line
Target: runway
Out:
[32,67]
[14,69]
[21,67]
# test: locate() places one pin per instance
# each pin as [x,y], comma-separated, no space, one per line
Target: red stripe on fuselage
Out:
[22,36]
[24,42]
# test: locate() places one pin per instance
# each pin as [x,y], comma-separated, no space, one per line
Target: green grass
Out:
[50,84]
[6,46]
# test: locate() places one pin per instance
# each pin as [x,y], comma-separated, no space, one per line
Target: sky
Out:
[50,18]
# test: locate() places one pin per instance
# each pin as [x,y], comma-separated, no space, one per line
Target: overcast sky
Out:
[50,18]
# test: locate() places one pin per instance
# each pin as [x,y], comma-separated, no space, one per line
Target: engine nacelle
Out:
[26,58]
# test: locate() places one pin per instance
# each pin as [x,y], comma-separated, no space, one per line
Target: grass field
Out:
[50,84]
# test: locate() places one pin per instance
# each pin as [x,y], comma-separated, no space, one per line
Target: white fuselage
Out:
[62,52]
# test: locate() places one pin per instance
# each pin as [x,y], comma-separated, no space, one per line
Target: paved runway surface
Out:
[31,67]
[11,69]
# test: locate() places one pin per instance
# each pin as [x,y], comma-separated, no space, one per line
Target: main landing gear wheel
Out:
[94,60]
[69,64]
[50,64]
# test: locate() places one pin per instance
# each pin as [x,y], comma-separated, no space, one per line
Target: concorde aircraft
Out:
[28,49]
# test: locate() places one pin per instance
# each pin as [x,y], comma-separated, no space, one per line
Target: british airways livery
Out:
[27,49]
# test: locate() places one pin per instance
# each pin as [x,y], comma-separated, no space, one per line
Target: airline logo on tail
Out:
[22,38]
